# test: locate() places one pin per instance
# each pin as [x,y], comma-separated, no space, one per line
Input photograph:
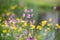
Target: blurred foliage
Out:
[5,5]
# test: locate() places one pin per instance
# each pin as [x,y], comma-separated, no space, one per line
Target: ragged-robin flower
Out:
[28,38]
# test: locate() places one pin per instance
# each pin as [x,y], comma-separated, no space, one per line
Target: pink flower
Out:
[28,38]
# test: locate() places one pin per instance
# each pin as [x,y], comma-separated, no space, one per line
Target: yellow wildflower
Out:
[13,28]
[43,23]
[12,23]
[50,19]
[23,21]
[18,30]
[13,7]
[6,25]
[58,27]
[57,24]
[4,31]
[49,24]
[32,26]
[17,18]
[29,34]
[24,25]
[3,25]
[48,29]
[8,13]
[39,27]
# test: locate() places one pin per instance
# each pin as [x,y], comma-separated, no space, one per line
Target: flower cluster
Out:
[24,28]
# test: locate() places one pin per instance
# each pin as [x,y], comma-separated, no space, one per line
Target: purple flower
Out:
[28,15]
